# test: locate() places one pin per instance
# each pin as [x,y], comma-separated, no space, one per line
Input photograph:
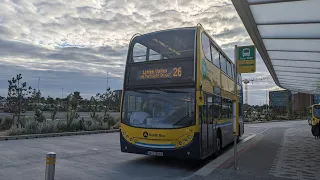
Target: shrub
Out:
[81,124]
[15,131]
[47,127]
[113,121]
[7,123]
[32,127]
[62,126]
[74,126]
[103,126]
[88,125]
[116,126]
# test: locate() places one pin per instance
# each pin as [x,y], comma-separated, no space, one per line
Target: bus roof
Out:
[164,30]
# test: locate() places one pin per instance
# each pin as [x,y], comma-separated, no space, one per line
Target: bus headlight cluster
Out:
[184,140]
[127,137]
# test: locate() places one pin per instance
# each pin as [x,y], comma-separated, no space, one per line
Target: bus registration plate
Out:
[153,153]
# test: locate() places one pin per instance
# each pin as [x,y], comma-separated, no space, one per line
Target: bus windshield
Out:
[170,44]
[161,108]
[316,111]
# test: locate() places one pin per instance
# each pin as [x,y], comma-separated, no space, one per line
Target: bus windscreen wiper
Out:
[142,91]
[170,91]
[181,119]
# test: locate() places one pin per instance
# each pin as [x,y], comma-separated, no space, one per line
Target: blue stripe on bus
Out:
[224,124]
[155,145]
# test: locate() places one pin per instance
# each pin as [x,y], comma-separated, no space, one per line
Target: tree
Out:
[77,95]
[94,109]
[38,115]
[73,103]
[17,94]
[105,100]
[53,107]
[36,96]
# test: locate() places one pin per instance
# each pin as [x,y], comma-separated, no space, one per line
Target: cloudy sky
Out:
[73,44]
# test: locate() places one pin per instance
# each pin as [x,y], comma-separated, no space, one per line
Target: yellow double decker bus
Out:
[315,114]
[177,95]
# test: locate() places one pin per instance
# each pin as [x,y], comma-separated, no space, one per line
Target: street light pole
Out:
[266,99]
[107,80]
[107,91]
[38,84]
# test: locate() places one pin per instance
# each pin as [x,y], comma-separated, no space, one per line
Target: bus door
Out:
[207,127]
[210,123]
[204,128]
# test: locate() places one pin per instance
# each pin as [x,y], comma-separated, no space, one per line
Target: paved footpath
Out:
[285,151]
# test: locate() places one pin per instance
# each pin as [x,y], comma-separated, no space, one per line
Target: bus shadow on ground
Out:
[151,166]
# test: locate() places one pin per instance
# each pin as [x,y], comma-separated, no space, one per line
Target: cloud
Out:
[76,38]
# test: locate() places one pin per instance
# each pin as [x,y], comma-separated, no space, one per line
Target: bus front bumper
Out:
[190,151]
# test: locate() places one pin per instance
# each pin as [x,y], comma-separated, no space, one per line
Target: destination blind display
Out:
[175,72]
[160,73]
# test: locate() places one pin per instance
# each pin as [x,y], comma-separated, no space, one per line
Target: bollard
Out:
[50,165]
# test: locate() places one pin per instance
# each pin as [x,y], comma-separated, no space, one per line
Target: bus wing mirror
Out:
[200,98]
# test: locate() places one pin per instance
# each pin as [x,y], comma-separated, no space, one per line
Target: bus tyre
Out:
[218,143]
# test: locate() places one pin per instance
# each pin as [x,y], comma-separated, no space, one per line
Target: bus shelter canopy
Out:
[287,36]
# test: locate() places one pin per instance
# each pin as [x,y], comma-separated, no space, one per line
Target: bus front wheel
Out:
[218,144]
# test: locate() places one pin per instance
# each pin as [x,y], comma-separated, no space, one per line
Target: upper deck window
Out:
[170,44]
[206,46]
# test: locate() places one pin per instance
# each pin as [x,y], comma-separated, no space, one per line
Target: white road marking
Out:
[264,130]
[255,126]
[247,138]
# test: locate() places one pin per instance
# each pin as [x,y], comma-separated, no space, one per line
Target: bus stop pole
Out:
[234,112]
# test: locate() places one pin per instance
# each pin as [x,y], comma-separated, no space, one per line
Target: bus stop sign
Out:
[246,59]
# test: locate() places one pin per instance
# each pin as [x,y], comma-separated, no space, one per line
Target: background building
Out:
[316,99]
[302,100]
[279,98]
[299,101]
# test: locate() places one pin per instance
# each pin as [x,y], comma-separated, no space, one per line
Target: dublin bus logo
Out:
[145,134]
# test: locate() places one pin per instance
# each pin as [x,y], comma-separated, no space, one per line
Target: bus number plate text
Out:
[153,153]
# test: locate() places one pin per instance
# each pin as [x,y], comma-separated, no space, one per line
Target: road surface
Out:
[98,156]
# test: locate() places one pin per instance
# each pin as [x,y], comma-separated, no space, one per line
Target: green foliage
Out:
[88,123]
[72,116]
[62,126]
[17,95]
[15,131]
[38,115]
[7,123]
[32,127]
[35,127]
[112,121]
[116,123]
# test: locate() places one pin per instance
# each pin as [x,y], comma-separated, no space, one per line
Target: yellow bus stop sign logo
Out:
[246,57]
